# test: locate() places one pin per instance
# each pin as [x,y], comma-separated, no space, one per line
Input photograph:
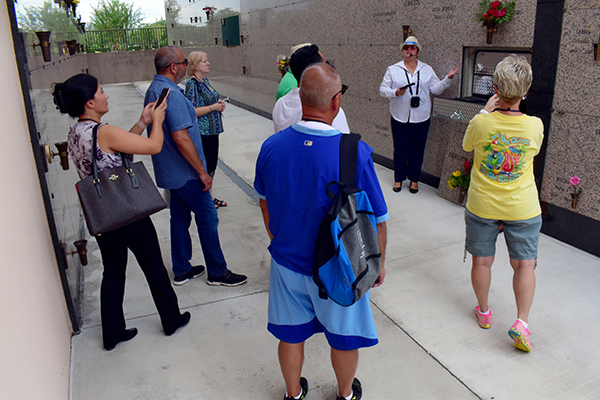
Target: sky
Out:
[153,10]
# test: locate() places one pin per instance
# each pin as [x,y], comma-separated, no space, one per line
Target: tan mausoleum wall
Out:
[575,130]
[36,331]
[362,40]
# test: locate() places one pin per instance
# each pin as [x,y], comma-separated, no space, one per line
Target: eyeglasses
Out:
[342,91]
[409,47]
[182,62]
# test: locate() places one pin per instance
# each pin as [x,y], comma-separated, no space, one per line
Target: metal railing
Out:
[107,40]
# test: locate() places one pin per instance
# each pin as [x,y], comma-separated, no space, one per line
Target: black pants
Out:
[409,148]
[140,237]
[210,145]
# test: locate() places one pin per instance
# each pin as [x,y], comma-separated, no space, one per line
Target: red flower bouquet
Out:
[491,13]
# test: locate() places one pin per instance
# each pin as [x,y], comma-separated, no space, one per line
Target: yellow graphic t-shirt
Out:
[502,183]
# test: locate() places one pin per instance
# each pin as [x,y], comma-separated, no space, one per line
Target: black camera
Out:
[415,101]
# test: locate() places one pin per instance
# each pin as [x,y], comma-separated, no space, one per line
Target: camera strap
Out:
[408,81]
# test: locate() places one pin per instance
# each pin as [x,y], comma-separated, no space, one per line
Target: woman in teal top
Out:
[208,110]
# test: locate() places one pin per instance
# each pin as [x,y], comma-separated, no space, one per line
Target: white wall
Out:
[35,331]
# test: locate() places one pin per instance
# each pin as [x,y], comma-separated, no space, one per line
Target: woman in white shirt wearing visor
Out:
[409,84]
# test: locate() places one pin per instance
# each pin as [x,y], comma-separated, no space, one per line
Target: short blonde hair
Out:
[193,59]
[512,77]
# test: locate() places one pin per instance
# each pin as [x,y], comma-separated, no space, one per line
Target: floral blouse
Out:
[80,147]
[201,94]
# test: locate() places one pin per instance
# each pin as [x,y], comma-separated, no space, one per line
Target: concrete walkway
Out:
[430,344]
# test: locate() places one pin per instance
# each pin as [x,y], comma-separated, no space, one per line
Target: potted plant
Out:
[492,14]
[461,180]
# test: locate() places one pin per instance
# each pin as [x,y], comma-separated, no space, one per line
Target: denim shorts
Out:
[296,312]
[522,237]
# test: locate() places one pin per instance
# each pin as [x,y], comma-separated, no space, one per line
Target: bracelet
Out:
[210,108]
[482,111]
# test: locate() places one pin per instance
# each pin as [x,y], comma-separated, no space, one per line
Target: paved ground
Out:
[430,344]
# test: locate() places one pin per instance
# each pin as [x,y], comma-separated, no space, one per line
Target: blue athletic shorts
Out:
[296,312]
[522,237]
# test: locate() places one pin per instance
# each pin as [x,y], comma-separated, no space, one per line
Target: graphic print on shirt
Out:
[503,157]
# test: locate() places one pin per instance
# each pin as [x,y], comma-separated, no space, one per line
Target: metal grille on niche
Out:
[483,69]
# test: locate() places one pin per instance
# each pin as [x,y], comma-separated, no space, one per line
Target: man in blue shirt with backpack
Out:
[292,171]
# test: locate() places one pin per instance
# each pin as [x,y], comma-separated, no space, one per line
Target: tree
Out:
[45,18]
[114,14]
[161,23]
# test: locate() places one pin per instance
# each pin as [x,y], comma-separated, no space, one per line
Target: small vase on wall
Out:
[44,38]
[596,51]
[462,195]
[491,28]
[574,198]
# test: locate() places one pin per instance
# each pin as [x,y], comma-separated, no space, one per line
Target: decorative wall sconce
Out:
[72,46]
[44,38]
[63,153]
[244,70]
[491,29]
[80,245]
[596,51]
[242,37]
[406,31]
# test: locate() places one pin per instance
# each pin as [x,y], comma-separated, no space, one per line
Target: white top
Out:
[288,110]
[400,108]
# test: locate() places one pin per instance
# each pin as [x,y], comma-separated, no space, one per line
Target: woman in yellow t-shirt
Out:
[503,194]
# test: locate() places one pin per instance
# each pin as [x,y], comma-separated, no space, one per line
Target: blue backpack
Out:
[347,256]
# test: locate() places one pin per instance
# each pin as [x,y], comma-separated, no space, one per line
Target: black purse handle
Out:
[135,183]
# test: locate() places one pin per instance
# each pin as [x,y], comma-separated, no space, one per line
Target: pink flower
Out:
[501,13]
[575,181]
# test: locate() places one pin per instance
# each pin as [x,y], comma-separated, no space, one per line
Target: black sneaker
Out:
[304,386]
[195,272]
[227,279]
[356,391]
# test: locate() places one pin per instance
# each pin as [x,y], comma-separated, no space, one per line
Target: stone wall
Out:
[575,129]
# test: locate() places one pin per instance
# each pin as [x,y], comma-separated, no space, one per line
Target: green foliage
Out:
[494,12]
[114,14]
[125,39]
[161,23]
[45,18]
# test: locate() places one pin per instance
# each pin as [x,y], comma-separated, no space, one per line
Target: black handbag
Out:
[117,196]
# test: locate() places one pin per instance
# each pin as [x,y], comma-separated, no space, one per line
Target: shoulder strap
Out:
[349,158]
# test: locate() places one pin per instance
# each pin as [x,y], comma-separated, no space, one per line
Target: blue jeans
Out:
[185,200]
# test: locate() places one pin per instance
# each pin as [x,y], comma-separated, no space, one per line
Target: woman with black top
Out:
[409,84]
[208,111]
[82,97]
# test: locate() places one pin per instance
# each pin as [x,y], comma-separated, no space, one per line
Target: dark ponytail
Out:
[71,95]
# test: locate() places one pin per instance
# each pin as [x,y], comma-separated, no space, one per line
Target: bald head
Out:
[166,56]
[319,83]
